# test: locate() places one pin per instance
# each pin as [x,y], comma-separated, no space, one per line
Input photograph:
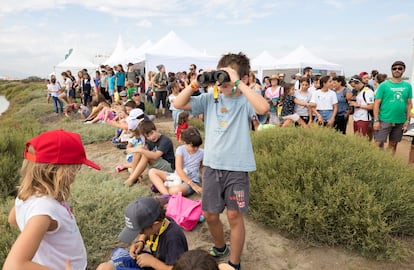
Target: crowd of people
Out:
[240,103]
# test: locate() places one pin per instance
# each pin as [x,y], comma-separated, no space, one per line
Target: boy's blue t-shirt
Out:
[227,130]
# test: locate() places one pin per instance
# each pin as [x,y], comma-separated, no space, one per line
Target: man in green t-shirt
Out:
[392,108]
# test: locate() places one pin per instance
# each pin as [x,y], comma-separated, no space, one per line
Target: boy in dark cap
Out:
[157,241]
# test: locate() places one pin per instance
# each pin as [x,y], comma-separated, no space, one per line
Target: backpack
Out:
[370,112]
[184,211]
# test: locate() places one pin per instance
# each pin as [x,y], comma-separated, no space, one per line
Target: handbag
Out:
[184,211]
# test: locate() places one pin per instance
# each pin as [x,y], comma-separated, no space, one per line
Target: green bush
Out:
[149,108]
[328,188]
[18,125]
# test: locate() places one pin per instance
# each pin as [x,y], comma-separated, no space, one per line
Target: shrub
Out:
[149,108]
[328,188]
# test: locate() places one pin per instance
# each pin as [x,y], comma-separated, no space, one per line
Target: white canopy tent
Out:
[75,62]
[176,55]
[301,58]
[264,61]
[118,55]
[135,55]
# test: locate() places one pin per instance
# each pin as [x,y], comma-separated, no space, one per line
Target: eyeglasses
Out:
[398,68]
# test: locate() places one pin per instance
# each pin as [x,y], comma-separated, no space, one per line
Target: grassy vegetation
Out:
[316,185]
[333,189]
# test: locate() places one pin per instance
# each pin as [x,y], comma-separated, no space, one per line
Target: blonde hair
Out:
[52,180]
[130,84]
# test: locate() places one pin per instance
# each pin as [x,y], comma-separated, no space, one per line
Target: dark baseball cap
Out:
[356,79]
[139,214]
[398,63]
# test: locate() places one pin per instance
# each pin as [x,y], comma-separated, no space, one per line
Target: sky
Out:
[360,35]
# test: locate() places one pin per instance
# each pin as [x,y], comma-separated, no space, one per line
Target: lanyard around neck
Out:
[153,243]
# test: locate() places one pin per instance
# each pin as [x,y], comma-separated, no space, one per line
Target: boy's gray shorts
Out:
[223,188]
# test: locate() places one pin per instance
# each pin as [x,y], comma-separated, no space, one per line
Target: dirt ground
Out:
[265,248]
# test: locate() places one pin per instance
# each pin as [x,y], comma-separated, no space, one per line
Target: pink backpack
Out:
[184,211]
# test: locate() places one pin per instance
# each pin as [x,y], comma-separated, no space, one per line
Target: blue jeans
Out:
[56,102]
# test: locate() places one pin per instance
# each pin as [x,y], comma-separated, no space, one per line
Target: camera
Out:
[352,108]
[219,76]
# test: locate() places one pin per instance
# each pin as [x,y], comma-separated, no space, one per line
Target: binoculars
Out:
[219,76]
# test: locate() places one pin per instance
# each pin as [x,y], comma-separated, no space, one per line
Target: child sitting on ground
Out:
[83,110]
[106,114]
[159,241]
[158,153]
[188,166]
[136,139]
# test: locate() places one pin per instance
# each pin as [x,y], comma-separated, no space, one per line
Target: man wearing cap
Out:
[363,104]
[392,108]
[365,79]
[282,79]
[156,240]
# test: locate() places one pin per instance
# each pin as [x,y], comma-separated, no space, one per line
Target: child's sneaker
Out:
[219,254]
[120,168]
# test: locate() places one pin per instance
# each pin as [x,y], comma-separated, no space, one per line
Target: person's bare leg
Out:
[105,266]
[286,123]
[237,235]
[156,177]
[216,228]
[136,173]
[392,146]
[302,123]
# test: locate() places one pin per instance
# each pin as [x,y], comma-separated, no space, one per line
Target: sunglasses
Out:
[398,68]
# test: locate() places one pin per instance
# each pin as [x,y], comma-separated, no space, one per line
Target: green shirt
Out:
[394,96]
[130,91]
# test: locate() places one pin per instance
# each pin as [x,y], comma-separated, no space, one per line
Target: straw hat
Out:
[274,76]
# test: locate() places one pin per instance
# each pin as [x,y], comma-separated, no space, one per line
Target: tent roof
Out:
[176,55]
[76,60]
[171,44]
[301,57]
[118,55]
[263,60]
[137,54]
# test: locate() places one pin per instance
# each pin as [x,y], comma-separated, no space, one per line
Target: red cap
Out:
[58,147]
[363,73]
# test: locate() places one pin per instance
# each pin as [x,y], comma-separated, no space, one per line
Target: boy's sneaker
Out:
[219,254]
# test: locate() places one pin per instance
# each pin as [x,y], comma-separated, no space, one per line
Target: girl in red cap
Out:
[49,233]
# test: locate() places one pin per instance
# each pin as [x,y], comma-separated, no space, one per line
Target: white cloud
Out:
[144,23]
